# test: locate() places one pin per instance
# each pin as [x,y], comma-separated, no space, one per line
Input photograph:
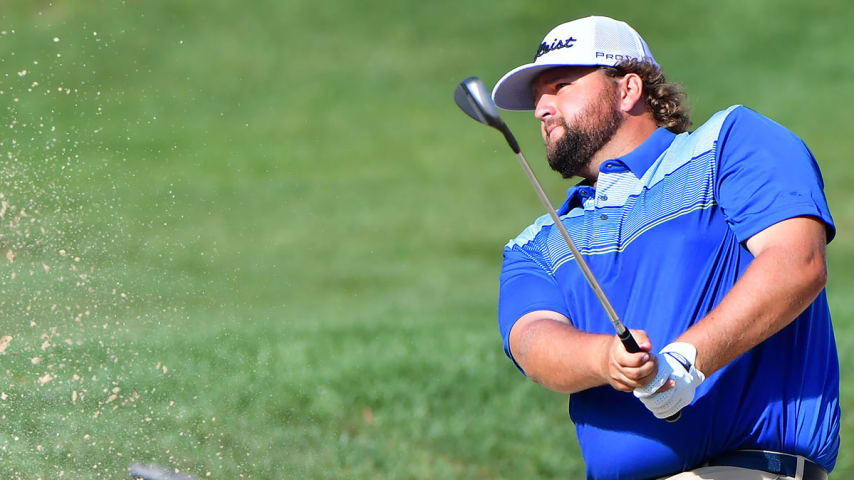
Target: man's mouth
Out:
[551,126]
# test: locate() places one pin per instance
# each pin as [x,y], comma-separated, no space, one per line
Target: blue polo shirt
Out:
[664,232]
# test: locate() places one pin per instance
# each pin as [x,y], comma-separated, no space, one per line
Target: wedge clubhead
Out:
[475,100]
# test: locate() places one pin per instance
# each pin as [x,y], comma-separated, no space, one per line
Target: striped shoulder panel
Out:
[679,182]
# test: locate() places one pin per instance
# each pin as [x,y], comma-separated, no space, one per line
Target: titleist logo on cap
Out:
[556,44]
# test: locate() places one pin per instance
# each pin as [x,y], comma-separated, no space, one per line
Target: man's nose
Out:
[544,107]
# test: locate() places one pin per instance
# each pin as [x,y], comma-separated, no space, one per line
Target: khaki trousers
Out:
[726,473]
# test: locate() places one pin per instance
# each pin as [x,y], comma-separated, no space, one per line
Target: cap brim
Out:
[514,92]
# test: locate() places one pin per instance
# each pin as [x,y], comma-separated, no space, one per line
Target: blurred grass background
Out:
[258,240]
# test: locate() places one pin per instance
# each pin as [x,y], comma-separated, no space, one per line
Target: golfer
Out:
[711,246]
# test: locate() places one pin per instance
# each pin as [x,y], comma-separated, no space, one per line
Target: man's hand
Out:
[627,371]
[675,382]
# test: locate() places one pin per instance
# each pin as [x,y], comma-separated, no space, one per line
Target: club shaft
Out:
[585,269]
[622,332]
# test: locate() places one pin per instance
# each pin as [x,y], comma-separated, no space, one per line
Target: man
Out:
[711,246]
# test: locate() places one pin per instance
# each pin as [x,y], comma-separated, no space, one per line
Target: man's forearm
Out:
[778,285]
[557,355]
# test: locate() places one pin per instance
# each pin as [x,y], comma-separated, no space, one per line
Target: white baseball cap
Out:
[588,41]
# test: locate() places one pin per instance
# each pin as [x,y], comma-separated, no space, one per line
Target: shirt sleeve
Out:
[525,286]
[766,175]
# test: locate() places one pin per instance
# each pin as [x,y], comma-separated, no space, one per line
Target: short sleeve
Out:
[766,175]
[524,287]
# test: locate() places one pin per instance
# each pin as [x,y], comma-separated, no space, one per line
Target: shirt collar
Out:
[575,196]
[637,161]
[640,159]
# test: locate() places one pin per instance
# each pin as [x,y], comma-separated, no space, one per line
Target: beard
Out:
[570,155]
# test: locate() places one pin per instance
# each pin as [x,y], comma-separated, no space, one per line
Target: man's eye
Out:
[561,85]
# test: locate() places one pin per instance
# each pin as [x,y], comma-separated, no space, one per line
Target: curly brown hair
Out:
[666,101]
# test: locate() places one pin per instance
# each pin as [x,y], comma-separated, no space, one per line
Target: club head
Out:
[474,99]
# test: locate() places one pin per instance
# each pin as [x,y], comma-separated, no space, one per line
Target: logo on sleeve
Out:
[556,44]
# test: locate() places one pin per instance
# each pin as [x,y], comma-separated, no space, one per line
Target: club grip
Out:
[629,341]
[632,346]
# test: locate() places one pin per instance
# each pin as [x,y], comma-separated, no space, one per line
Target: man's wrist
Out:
[604,349]
[701,360]
[683,352]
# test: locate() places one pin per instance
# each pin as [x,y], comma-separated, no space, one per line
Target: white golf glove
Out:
[675,361]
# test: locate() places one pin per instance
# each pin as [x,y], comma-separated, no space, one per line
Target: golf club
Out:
[474,99]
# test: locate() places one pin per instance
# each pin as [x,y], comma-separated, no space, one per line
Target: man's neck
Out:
[631,134]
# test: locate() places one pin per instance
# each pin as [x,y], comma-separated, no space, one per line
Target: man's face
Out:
[577,109]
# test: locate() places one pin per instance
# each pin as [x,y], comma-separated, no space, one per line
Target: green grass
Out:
[280,204]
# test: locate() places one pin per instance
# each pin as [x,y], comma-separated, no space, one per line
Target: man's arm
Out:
[562,358]
[787,273]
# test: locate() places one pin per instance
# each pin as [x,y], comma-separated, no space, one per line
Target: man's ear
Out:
[630,91]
